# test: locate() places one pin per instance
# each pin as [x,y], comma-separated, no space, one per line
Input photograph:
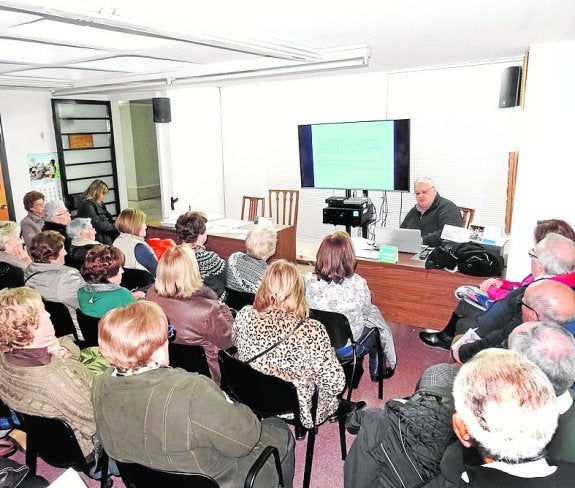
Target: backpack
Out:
[468,257]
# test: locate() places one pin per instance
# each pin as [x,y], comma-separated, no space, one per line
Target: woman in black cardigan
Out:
[92,206]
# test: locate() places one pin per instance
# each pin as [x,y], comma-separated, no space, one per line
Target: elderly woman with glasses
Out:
[13,257]
[170,419]
[56,218]
[83,236]
[33,223]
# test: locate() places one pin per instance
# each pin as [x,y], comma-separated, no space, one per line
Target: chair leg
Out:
[342,440]
[380,365]
[309,457]
[104,467]
[31,455]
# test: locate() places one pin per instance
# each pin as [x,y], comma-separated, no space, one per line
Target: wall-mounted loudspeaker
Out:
[162,110]
[510,92]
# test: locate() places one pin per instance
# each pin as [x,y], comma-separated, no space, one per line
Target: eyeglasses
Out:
[532,254]
[62,213]
[530,308]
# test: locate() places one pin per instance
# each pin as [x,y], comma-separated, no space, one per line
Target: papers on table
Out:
[228,226]
[364,248]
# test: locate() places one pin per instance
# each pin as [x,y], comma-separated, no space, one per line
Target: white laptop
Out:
[406,240]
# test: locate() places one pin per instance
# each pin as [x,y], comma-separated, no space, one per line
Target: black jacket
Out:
[102,220]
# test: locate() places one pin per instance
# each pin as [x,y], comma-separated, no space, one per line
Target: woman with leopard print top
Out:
[302,354]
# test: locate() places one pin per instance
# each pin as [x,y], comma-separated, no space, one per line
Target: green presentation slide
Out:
[358,153]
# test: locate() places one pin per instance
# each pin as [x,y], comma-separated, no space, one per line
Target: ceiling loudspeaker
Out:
[162,110]
[510,91]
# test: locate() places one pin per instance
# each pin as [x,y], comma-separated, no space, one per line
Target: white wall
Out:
[546,160]
[458,134]
[25,115]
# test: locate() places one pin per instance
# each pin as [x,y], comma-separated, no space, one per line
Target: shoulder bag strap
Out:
[283,339]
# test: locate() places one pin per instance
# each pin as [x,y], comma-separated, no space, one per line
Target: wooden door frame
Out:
[6,175]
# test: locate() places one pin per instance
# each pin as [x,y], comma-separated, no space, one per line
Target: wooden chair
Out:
[139,476]
[339,332]
[284,206]
[467,215]
[270,396]
[55,442]
[256,207]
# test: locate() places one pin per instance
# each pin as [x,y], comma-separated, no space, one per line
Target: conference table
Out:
[227,241]
[408,294]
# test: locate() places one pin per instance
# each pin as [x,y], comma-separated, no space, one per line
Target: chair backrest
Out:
[467,215]
[60,317]
[336,325]
[189,357]
[10,276]
[89,327]
[266,395]
[256,207]
[53,440]
[238,299]
[284,206]
[136,278]
[138,476]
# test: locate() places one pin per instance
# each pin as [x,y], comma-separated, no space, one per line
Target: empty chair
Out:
[189,357]
[139,476]
[61,318]
[339,332]
[270,396]
[136,278]
[467,215]
[54,441]
[89,327]
[255,207]
[283,206]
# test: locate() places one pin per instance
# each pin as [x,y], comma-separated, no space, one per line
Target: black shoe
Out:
[345,408]
[387,373]
[436,339]
[300,433]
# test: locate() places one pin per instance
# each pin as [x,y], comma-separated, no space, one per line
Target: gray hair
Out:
[8,230]
[556,253]
[51,208]
[261,242]
[552,348]
[77,226]
[425,180]
[507,404]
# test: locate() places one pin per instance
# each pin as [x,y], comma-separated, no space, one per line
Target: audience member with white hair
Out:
[245,271]
[57,217]
[507,409]
[83,236]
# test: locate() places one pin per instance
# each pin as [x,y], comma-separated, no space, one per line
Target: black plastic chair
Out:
[136,279]
[269,396]
[238,299]
[139,476]
[339,332]
[189,357]
[54,441]
[89,327]
[61,319]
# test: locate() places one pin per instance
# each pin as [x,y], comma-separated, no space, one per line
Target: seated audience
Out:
[33,223]
[498,288]
[39,374]
[92,206]
[545,300]
[553,257]
[192,308]
[507,409]
[50,277]
[13,257]
[431,212]
[246,270]
[552,349]
[83,238]
[336,287]
[56,218]
[102,270]
[170,419]
[191,229]
[131,223]
[295,347]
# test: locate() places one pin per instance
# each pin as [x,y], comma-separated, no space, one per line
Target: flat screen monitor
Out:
[370,155]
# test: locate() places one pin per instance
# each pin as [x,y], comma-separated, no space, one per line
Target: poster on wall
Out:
[44,172]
